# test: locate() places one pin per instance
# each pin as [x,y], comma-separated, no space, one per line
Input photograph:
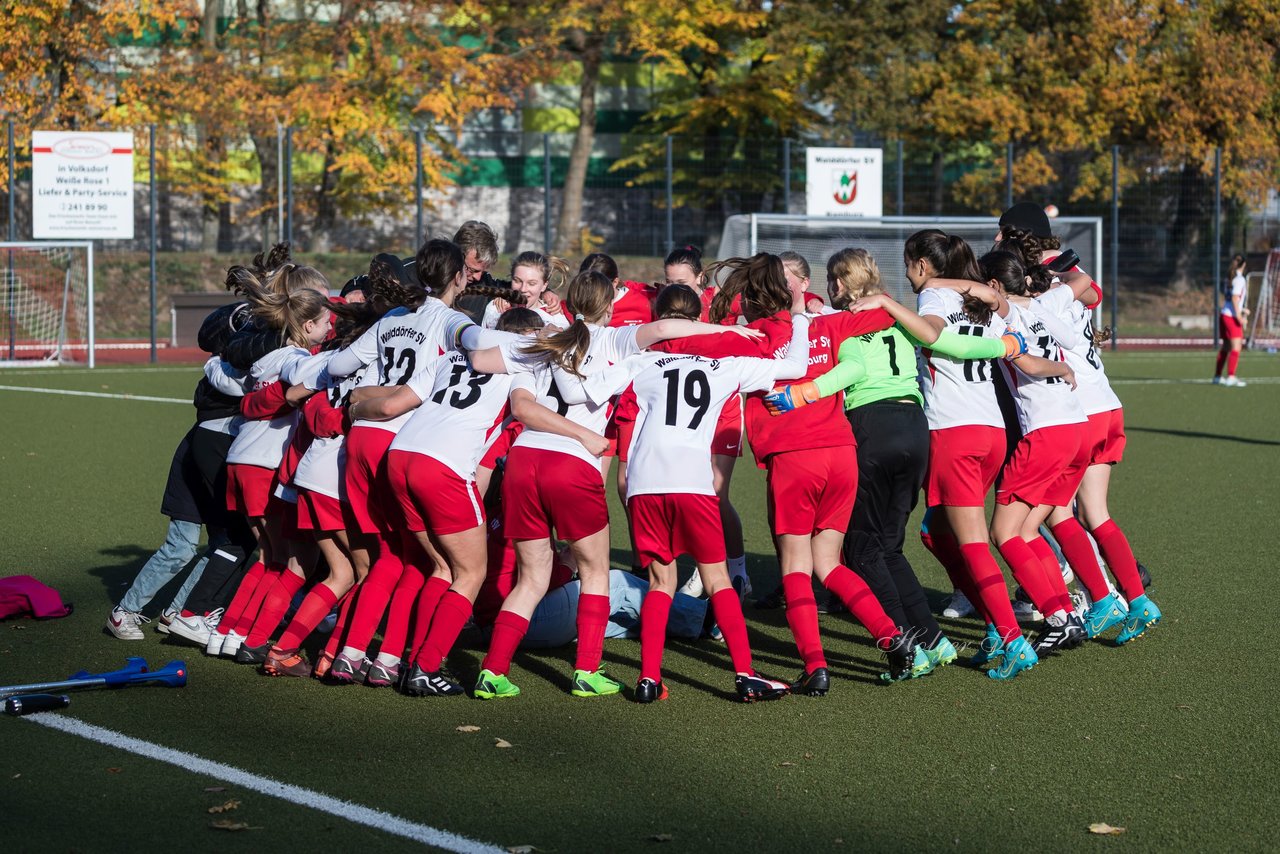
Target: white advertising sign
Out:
[81,185]
[844,182]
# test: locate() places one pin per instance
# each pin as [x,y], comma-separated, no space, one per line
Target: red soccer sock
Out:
[946,548]
[1222,360]
[1028,572]
[1233,359]
[244,592]
[400,612]
[273,608]
[508,630]
[1052,573]
[733,626]
[333,644]
[861,602]
[371,604]
[315,607]
[450,617]
[1078,551]
[1114,546]
[593,618]
[802,617]
[654,614]
[428,600]
[268,580]
[992,592]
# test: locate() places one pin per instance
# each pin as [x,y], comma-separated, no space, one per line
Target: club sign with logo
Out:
[81,185]
[844,182]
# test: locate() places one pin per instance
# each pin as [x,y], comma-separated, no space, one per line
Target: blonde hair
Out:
[853,274]
[590,298]
[555,271]
[275,303]
[276,271]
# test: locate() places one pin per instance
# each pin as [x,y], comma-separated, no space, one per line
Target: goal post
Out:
[817,238]
[1264,322]
[46,303]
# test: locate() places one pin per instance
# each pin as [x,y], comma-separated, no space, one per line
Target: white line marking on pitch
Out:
[336,807]
[62,372]
[72,393]
[1247,381]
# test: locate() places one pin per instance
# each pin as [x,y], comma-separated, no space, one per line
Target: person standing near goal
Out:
[1231,324]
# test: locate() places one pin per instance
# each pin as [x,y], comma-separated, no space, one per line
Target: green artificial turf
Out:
[1173,737]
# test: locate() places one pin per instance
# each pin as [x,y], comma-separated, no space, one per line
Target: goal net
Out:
[1264,323]
[817,238]
[46,303]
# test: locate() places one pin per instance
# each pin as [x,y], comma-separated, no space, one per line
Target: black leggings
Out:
[893,455]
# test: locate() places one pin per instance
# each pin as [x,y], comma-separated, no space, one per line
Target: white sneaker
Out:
[231,644]
[693,587]
[214,646]
[958,607]
[214,617]
[1025,612]
[162,624]
[191,628]
[1233,381]
[126,625]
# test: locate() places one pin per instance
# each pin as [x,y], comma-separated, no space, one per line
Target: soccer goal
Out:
[817,238]
[1264,323]
[46,304]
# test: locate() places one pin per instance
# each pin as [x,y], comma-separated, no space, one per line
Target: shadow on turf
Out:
[117,577]
[1196,434]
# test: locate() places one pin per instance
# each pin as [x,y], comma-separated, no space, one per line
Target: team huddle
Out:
[431,450]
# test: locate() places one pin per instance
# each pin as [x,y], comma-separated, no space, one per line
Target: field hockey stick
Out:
[135,672]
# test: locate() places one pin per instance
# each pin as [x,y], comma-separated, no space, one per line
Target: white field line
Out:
[62,372]
[1246,380]
[336,807]
[72,393]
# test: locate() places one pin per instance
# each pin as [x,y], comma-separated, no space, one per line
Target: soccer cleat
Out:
[495,686]
[162,624]
[419,683]
[1234,382]
[1080,603]
[1024,611]
[815,683]
[345,670]
[901,653]
[773,600]
[1143,614]
[587,683]
[1018,656]
[991,648]
[1068,634]
[126,625]
[958,607]
[192,629]
[942,654]
[1102,615]
[1144,575]
[252,654]
[380,675]
[693,587]
[231,644]
[920,663]
[323,663]
[214,646]
[282,663]
[753,687]
[648,691]
[1217,380]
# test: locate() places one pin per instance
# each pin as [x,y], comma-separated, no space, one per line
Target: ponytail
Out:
[590,296]
[279,308]
[761,282]
[677,301]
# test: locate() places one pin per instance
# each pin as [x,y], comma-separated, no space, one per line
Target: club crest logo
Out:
[847,189]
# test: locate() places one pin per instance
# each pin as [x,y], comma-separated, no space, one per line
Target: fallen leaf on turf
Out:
[808,756]
[501,742]
[1103,829]
[113,770]
[662,837]
[227,807]
[17,628]
[520,849]
[468,728]
[15,776]
[216,789]
[228,824]
[1183,706]
[785,764]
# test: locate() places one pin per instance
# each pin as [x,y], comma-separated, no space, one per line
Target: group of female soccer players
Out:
[435,458]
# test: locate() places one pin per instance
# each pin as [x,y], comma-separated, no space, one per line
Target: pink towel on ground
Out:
[22,595]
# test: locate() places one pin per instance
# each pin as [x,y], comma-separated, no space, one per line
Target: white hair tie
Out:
[579,317]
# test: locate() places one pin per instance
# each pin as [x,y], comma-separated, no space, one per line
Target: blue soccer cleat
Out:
[990,650]
[1143,614]
[1102,615]
[1018,656]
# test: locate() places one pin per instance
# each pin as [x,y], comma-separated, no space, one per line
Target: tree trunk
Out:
[1188,232]
[326,205]
[210,144]
[575,179]
[939,188]
[269,167]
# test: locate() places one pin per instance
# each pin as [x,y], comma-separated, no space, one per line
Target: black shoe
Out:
[831,604]
[252,654]
[420,683]
[901,654]
[1076,632]
[772,601]
[754,687]
[1144,575]
[815,684]
[1069,635]
[648,691]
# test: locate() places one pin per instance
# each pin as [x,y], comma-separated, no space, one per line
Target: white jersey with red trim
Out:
[609,346]
[461,415]
[400,346]
[958,393]
[1093,389]
[492,315]
[320,469]
[1041,401]
[261,442]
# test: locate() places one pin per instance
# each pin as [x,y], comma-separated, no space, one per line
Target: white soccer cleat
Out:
[214,646]
[693,587]
[126,625]
[191,629]
[1233,381]
[959,606]
[231,644]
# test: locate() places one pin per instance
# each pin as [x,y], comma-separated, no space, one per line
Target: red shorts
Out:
[963,464]
[1105,437]
[249,488]
[365,478]
[812,490]
[667,526]
[1046,467]
[1230,327]
[319,512]
[546,490]
[625,430]
[432,496]
[727,441]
